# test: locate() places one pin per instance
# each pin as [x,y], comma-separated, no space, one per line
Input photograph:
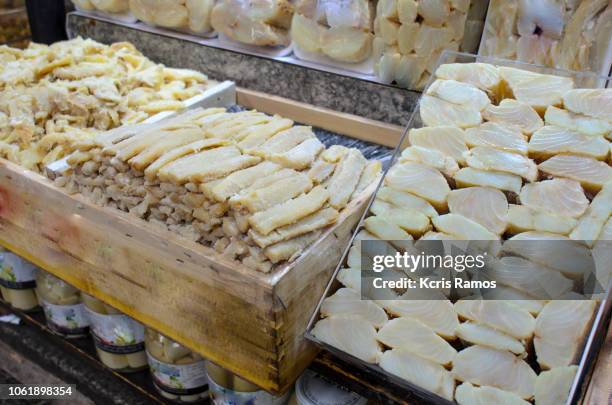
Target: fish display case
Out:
[420,199]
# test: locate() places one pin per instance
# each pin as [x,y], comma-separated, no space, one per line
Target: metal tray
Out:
[596,336]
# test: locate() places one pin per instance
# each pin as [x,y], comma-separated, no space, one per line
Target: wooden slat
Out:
[346,124]
[599,391]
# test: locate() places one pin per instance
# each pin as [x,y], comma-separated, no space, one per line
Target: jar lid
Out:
[312,389]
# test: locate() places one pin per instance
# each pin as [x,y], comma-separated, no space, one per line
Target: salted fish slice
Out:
[406,200]
[237,181]
[480,334]
[497,135]
[487,158]
[561,328]
[562,197]
[345,178]
[516,298]
[280,191]
[290,249]
[435,112]
[350,278]
[500,369]
[536,89]
[419,371]
[412,221]
[522,219]
[448,140]
[592,221]
[551,140]
[419,179]
[462,227]
[485,205]
[467,394]
[595,103]
[351,334]
[554,251]
[529,277]
[437,314]
[430,157]
[553,386]
[482,75]
[513,112]
[413,335]
[348,302]
[459,93]
[591,173]
[499,315]
[469,177]
[578,122]
[369,175]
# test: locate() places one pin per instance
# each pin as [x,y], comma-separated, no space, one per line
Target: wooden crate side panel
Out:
[210,308]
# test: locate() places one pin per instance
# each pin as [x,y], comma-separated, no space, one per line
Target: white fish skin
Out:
[413,335]
[354,335]
[578,122]
[348,302]
[417,370]
[514,112]
[467,394]
[500,369]
[459,93]
[485,205]
[551,140]
[595,103]
[553,386]
[486,158]
[496,135]
[482,75]
[562,197]
[469,177]
[484,335]
[435,111]
[561,328]
[591,173]
[448,140]
[498,315]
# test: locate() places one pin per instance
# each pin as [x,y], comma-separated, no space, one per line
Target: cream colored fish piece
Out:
[561,197]
[411,221]
[276,193]
[514,112]
[578,122]
[553,386]
[301,156]
[591,173]
[484,205]
[551,140]
[346,301]
[448,140]
[499,315]
[522,219]
[401,199]
[435,111]
[237,181]
[462,227]
[345,178]
[592,221]
[437,314]
[470,177]
[459,93]
[595,103]
[487,158]
[497,135]
[354,335]
[482,75]
[480,334]
[430,157]
[467,394]
[421,180]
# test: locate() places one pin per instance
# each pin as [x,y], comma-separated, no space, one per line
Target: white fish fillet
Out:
[592,221]
[592,102]
[500,369]
[430,157]
[516,298]
[406,200]
[439,315]
[459,93]
[419,179]
[487,158]
[591,173]
[435,111]
[578,122]
[468,177]
[462,227]
[529,277]
[500,315]
[419,371]
[560,197]
[496,135]
[485,205]
[561,328]
[350,278]
[551,140]
[482,75]
[552,250]
[553,386]
[522,219]
[413,335]
[354,335]
[446,139]
[513,112]
[467,394]
[480,334]
[348,302]
[412,221]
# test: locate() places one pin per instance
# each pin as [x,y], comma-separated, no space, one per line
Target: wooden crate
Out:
[248,322]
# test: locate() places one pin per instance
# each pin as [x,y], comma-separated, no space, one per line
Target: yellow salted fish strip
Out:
[310,223]
[237,181]
[252,137]
[320,171]
[345,178]
[232,127]
[301,156]
[334,153]
[178,153]
[276,193]
[130,147]
[173,140]
[290,249]
[369,175]
[78,157]
[290,211]
[268,181]
[283,141]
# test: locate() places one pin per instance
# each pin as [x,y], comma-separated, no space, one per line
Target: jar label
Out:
[179,379]
[66,319]
[225,396]
[17,273]
[116,333]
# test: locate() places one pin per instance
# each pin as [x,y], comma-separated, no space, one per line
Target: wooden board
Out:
[251,323]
